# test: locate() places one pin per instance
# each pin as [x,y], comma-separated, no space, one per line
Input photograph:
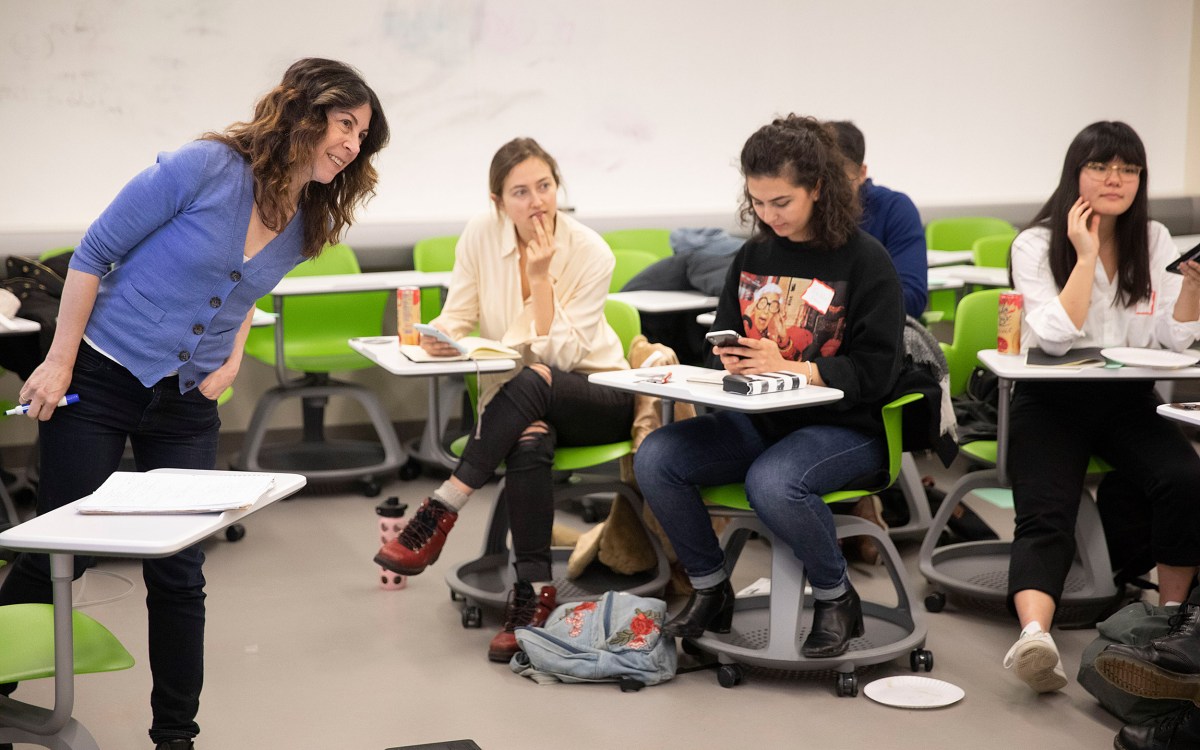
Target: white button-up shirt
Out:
[1146,323]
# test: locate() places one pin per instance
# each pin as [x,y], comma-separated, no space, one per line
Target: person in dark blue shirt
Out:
[890,217]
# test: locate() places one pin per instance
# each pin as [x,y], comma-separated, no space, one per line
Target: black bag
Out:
[39,287]
[1135,625]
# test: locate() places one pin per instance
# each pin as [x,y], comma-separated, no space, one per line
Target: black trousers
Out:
[1054,428]
[576,413]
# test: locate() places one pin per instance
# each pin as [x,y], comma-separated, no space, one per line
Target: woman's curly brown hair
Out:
[289,122]
[803,151]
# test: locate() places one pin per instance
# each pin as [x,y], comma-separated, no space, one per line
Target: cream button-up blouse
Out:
[485,292]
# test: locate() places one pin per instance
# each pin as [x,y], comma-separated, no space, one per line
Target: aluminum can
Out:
[1008,325]
[408,314]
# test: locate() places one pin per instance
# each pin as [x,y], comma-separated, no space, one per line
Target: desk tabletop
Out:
[936,258]
[14,326]
[385,352]
[292,286]
[680,388]
[938,282]
[1186,242]
[1189,413]
[662,301]
[1013,367]
[981,275]
[68,530]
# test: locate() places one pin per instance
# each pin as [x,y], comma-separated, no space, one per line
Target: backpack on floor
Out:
[617,638]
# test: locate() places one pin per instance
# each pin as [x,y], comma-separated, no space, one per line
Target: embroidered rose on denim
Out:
[576,616]
[643,624]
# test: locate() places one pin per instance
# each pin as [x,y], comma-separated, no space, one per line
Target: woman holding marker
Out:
[154,313]
[1092,269]
[830,294]
[537,280]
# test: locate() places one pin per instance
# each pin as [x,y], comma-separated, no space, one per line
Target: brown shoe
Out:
[870,509]
[421,541]
[523,609]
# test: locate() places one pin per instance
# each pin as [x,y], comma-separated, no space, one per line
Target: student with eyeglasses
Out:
[810,293]
[1092,269]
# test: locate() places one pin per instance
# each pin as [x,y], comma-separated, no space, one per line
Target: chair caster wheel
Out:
[935,602]
[590,514]
[847,685]
[455,596]
[920,658]
[730,675]
[472,617]
[410,470]
[371,487]
[235,532]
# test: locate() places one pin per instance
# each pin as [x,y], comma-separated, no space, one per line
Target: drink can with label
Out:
[408,314]
[1008,328]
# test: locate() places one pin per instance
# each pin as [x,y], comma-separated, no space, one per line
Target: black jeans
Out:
[1054,428]
[80,446]
[575,412]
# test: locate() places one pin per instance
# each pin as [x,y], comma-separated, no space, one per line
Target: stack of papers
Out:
[167,492]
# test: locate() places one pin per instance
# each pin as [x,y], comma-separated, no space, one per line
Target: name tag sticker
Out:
[818,296]
[1146,306]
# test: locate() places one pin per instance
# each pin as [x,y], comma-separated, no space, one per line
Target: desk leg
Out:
[280,370]
[22,722]
[1003,397]
[429,446]
[668,410]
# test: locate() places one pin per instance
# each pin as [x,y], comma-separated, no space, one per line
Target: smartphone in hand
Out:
[427,330]
[1193,254]
[722,338]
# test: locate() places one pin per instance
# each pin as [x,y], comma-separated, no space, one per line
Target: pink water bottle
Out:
[391,519]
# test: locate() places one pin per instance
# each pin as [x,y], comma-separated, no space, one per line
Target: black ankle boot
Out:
[174,745]
[1167,667]
[1175,731]
[835,622]
[708,609]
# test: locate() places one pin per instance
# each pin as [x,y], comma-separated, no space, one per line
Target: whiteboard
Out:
[645,104]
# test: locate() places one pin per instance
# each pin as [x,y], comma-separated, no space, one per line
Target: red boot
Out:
[421,541]
[522,609]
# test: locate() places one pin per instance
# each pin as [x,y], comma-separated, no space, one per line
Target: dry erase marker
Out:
[70,398]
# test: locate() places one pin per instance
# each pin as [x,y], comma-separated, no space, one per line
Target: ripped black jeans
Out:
[573,412]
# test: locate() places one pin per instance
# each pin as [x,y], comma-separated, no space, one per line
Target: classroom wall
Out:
[968,107]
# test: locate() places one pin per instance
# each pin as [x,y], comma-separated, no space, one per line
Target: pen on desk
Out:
[70,398]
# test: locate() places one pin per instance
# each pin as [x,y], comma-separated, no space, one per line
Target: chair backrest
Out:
[629,264]
[624,319]
[975,327]
[435,254]
[48,254]
[992,251]
[960,232]
[317,327]
[27,632]
[657,241]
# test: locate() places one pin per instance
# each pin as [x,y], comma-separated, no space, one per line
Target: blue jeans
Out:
[79,447]
[784,483]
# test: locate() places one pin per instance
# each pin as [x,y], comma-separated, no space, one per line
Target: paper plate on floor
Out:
[1159,358]
[909,691]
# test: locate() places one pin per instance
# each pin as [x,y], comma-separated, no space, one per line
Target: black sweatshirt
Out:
[781,289]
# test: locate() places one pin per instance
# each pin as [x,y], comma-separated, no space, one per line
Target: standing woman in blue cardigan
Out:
[154,314]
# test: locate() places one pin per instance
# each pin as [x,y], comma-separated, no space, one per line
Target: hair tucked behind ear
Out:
[289,123]
[804,152]
[1103,141]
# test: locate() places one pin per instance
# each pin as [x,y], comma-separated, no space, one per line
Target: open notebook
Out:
[472,347]
[127,492]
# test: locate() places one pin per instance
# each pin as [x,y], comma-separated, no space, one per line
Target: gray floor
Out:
[305,651]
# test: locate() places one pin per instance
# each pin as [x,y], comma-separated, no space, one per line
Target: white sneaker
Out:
[1036,662]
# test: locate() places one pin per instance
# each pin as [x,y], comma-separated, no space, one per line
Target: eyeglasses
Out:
[1098,170]
[767,304]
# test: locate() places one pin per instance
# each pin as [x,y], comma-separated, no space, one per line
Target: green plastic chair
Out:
[780,648]
[316,330]
[47,255]
[992,251]
[629,264]
[27,644]
[960,232]
[657,241]
[433,255]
